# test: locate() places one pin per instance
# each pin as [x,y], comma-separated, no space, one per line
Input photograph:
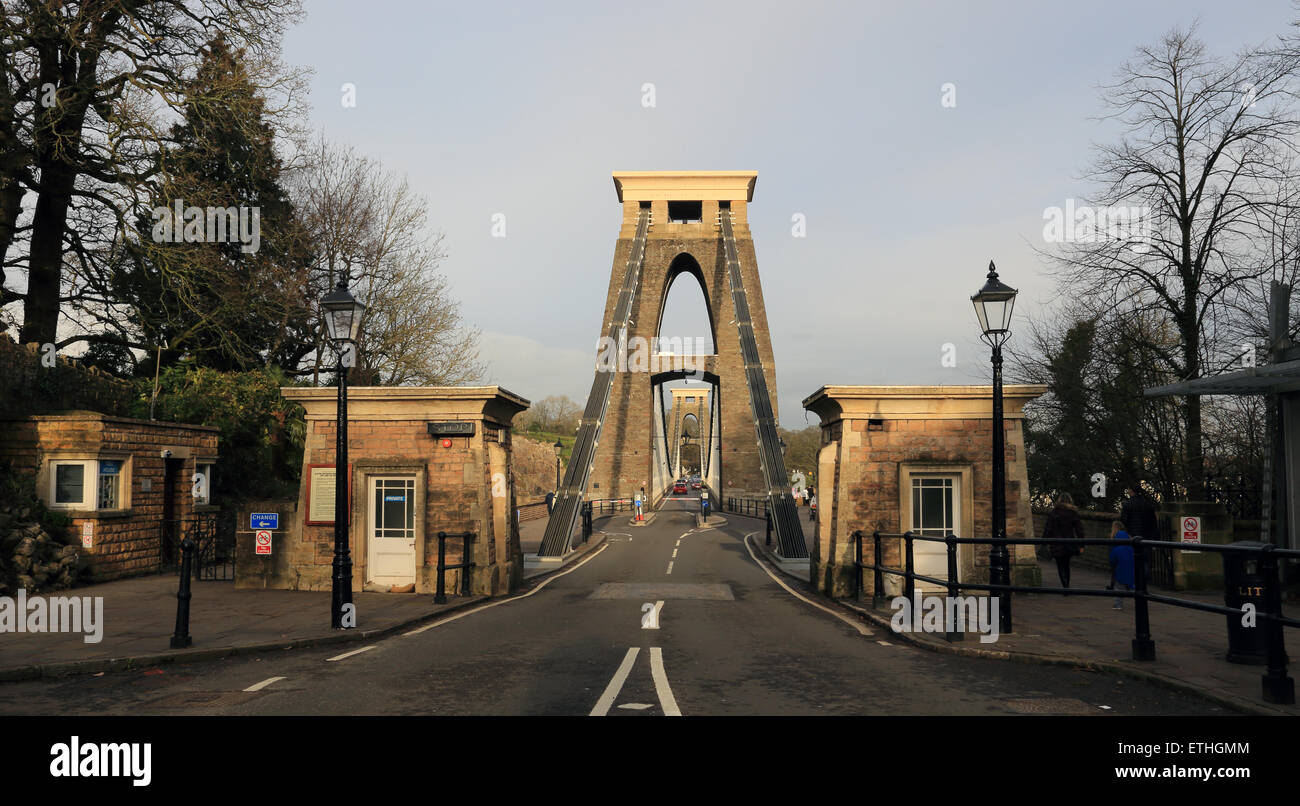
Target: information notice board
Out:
[321,480]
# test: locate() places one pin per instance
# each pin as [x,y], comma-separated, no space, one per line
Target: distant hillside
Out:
[534,468]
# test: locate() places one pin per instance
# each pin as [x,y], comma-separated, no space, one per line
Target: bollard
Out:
[1143,647]
[1278,687]
[878,592]
[441,596]
[769,528]
[950,629]
[910,584]
[181,638]
[586,522]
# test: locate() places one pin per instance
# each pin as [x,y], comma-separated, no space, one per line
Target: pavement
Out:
[664,620]
[1087,632]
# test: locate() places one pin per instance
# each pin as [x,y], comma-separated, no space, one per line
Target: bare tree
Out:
[1205,153]
[371,231]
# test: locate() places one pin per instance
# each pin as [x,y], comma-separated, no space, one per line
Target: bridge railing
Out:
[1277,686]
[752,507]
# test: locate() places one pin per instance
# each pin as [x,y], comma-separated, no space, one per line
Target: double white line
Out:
[662,689]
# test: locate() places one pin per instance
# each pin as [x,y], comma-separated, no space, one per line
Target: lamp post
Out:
[342,315]
[558,446]
[993,306]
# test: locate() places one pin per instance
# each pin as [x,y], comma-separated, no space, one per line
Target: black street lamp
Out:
[558,446]
[993,306]
[342,315]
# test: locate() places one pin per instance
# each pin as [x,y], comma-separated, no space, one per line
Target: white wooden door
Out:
[936,510]
[392,530]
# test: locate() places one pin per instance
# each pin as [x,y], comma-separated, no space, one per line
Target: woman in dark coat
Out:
[1064,523]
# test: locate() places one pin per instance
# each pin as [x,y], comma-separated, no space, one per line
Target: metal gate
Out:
[213,534]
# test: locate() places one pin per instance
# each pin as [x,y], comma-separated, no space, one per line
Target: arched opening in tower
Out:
[686,326]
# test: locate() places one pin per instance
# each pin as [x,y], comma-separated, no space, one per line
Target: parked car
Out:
[679,488]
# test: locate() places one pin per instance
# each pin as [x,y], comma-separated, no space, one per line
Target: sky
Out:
[524,110]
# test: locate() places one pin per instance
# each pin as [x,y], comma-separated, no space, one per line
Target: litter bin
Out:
[1244,584]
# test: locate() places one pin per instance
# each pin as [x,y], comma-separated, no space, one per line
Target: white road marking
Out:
[670,566]
[474,610]
[615,684]
[641,706]
[855,625]
[884,643]
[661,682]
[259,686]
[353,652]
[674,553]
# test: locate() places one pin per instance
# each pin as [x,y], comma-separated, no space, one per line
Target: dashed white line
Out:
[670,566]
[615,684]
[674,553]
[662,688]
[353,652]
[259,686]
[855,625]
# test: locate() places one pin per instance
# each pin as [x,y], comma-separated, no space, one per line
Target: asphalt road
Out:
[730,640]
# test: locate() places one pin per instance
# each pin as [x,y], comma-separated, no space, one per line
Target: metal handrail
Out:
[465,563]
[1277,686]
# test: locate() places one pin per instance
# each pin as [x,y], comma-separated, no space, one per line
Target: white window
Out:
[110,484]
[87,484]
[204,469]
[72,484]
[933,506]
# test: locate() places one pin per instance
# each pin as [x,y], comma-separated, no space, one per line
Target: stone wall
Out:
[30,387]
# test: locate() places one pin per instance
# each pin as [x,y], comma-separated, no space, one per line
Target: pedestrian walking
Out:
[1121,563]
[1064,524]
[550,502]
[812,506]
[1138,514]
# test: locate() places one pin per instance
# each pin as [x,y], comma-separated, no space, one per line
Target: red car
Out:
[679,488]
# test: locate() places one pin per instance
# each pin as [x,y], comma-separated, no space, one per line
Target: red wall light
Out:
[446,443]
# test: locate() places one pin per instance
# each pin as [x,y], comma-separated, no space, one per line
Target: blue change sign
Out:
[264,520]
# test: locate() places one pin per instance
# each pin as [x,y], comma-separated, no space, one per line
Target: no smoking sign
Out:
[263,541]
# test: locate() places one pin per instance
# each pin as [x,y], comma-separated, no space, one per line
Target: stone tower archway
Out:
[689,242]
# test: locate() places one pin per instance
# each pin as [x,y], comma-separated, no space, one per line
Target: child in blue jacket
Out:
[1121,562]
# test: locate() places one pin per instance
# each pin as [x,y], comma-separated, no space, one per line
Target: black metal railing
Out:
[440,597]
[752,507]
[213,534]
[601,506]
[1277,686]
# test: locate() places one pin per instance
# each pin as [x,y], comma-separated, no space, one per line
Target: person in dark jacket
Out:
[1121,563]
[1064,524]
[1138,514]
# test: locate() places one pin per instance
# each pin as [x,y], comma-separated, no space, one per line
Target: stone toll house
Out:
[126,484]
[424,460]
[918,458]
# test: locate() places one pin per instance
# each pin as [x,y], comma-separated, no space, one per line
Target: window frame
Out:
[89,482]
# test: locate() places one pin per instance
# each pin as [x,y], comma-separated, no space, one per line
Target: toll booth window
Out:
[685,212]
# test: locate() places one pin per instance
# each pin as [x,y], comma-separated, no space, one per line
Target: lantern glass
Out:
[993,305]
[342,314]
